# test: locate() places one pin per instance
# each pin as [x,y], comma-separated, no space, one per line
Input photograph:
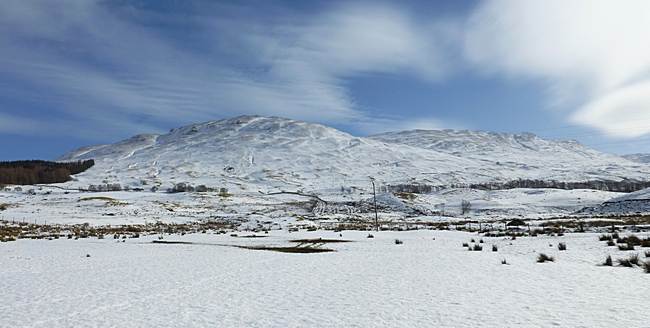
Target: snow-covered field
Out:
[365,283]
[272,174]
[54,206]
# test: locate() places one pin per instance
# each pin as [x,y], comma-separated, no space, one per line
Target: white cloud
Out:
[594,51]
[106,68]
[624,112]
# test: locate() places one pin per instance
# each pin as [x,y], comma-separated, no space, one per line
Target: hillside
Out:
[639,158]
[269,153]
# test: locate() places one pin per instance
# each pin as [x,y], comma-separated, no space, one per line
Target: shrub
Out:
[223,192]
[480,241]
[541,258]
[645,242]
[494,248]
[478,248]
[647,254]
[646,266]
[504,261]
[465,245]
[611,243]
[605,237]
[608,261]
[369,235]
[627,247]
[398,242]
[561,246]
[633,240]
[615,235]
[472,240]
[629,262]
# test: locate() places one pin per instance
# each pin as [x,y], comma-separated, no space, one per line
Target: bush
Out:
[465,245]
[480,241]
[504,261]
[494,248]
[611,243]
[398,242]
[561,246]
[629,262]
[478,248]
[647,254]
[633,240]
[608,261]
[627,247]
[605,237]
[645,242]
[646,266]
[541,258]
[370,236]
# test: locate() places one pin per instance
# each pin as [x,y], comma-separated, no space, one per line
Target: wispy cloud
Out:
[111,69]
[594,54]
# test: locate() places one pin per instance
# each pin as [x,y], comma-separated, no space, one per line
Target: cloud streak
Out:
[103,66]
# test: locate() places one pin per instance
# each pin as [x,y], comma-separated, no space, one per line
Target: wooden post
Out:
[374,197]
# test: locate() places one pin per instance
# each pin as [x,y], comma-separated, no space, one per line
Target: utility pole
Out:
[374,197]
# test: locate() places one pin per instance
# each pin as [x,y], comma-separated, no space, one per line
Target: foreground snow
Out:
[366,283]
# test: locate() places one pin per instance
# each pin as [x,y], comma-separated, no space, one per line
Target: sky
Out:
[80,72]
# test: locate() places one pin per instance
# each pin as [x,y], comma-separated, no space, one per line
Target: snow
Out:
[54,206]
[365,283]
[639,158]
[428,281]
[634,203]
[253,153]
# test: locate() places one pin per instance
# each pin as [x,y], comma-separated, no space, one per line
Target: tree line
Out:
[37,171]
[605,185]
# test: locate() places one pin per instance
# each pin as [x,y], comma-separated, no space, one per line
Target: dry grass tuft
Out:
[541,258]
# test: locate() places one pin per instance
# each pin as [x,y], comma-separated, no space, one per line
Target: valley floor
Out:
[428,281]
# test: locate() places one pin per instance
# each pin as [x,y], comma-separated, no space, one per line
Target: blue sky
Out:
[74,73]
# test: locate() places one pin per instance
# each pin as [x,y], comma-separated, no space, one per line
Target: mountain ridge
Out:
[271,153]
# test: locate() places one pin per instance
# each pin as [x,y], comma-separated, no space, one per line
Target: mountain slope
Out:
[523,155]
[639,158]
[269,153]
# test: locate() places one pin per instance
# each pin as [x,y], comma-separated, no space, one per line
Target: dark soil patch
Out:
[172,242]
[289,249]
[319,241]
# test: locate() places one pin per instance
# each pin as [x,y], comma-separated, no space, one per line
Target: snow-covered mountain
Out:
[269,153]
[524,155]
[639,158]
